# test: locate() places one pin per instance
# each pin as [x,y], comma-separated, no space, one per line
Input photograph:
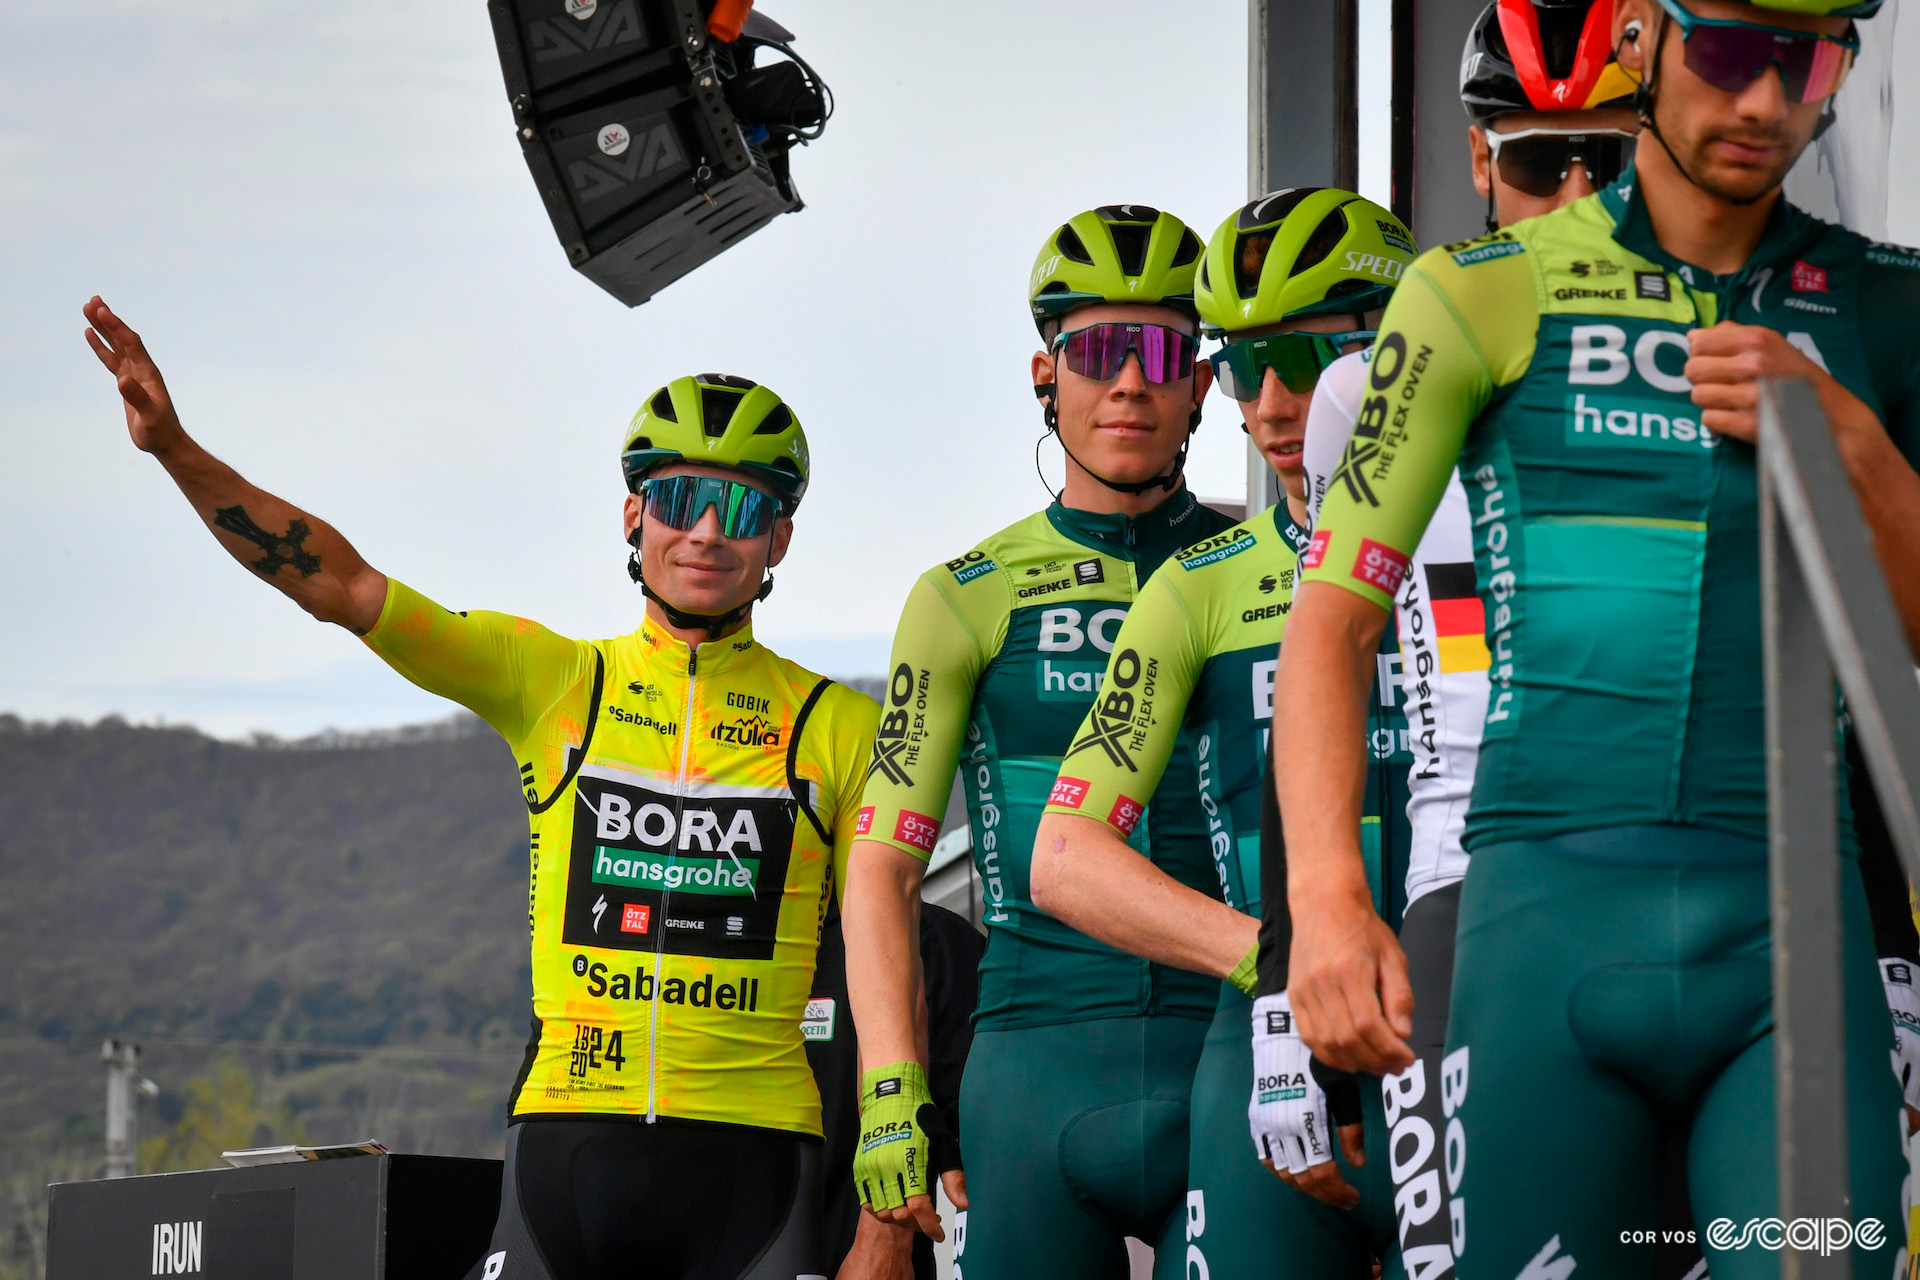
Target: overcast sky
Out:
[317,216]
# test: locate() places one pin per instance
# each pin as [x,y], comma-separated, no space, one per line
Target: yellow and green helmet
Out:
[1301,252]
[722,421]
[1116,253]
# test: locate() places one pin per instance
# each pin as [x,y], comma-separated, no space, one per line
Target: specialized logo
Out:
[897,742]
[551,41]
[1112,718]
[970,566]
[682,873]
[1217,548]
[1374,264]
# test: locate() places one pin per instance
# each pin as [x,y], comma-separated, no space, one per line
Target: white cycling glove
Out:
[1288,1111]
[1903,1002]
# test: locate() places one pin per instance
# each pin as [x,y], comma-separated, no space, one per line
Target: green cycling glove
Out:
[904,1142]
[1246,974]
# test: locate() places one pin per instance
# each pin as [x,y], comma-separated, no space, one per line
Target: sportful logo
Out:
[594,178]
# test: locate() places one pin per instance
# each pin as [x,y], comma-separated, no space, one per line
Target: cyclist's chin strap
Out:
[1043,391]
[715,625]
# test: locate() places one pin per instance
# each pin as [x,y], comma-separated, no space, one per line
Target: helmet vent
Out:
[1057,286]
[639,444]
[775,422]
[1249,256]
[1272,208]
[727,380]
[1130,242]
[1067,241]
[1189,248]
[717,405]
[1331,231]
[661,406]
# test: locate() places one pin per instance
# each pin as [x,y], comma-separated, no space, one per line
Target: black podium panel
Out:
[357,1218]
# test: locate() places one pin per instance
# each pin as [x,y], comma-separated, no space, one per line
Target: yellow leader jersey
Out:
[690,813]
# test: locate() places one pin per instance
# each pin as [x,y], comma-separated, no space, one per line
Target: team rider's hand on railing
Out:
[1287,1113]
[1726,364]
[904,1145]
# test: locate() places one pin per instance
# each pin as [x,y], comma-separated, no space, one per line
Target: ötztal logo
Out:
[1823,1236]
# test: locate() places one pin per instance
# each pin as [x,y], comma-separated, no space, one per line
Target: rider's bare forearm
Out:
[1320,714]
[1889,492]
[302,555]
[880,921]
[1086,876]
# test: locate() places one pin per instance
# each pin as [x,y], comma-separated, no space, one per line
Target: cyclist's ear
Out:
[1202,383]
[1482,159]
[782,535]
[1043,373]
[630,519]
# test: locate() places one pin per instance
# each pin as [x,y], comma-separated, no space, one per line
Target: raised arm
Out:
[303,556]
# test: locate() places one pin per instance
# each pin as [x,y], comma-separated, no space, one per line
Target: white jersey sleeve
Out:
[1443,646]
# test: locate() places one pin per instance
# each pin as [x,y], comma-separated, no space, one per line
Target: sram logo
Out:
[596,176]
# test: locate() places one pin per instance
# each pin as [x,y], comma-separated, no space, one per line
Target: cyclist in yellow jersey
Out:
[691,799]
[1074,1105]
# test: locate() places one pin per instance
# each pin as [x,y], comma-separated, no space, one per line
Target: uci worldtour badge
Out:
[698,874]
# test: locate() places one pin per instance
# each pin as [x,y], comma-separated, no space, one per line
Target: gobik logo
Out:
[695,874]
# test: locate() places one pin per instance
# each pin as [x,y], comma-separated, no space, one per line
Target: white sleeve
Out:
[1330,419]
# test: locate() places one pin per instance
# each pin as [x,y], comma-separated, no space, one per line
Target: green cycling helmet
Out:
[1301,252]
[723,421]
[1116,253]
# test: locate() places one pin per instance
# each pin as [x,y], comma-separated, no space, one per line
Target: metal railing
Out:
[1826,612]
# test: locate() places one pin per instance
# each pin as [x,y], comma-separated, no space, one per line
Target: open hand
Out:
[151,421]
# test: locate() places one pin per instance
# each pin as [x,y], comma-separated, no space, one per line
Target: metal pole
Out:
[1303,122]
[123,1140]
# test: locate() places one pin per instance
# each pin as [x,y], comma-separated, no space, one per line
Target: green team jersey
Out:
[998,655]
[1190,687]
[1616,540]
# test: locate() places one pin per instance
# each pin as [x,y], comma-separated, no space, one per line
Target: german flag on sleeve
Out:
[1458,617]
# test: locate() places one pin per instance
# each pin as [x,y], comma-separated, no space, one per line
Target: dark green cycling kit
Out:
[1192,669]
[1616,551]
[998,655]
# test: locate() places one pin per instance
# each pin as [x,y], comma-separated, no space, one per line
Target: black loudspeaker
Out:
[623,113]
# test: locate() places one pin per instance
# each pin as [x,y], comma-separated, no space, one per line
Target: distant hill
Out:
[214,899]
